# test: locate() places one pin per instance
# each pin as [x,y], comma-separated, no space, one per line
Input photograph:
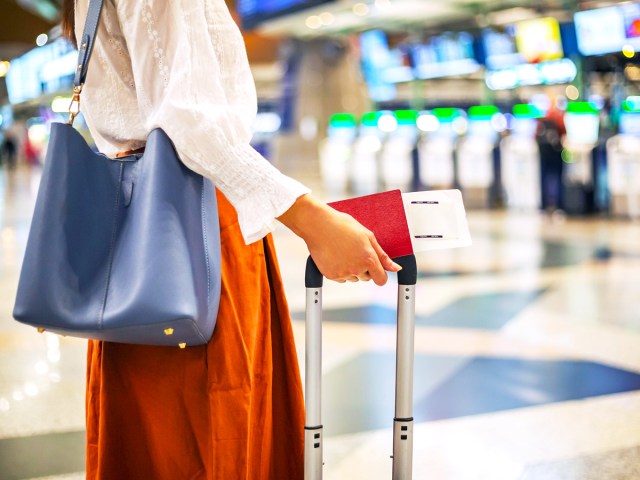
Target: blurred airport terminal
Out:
[527,363]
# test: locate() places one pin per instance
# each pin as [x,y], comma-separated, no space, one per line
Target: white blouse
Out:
[181,65]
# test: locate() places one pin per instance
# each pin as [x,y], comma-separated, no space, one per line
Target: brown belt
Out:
[130,152]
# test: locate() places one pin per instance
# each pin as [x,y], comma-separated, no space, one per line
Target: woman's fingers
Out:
[382,262]
[385,260]
[364,277]
[343,249]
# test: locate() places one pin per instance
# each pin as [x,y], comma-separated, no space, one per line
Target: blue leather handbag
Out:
[124,250]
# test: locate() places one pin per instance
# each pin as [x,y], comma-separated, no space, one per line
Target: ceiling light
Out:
[314,22]
[511,15]
[327,18]
[382,4]
[4,68]
[361,9]
[42,39]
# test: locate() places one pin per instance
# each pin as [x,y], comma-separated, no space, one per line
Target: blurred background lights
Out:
[542,102]
[387,123]
[572,92]
[313,22]
[634,102]
[360,9]
[42,39]
[628,51]
[38,133]
[53,348]
[18,395]
[499,122]
[597,101]
[4,405]
[459,125]
[632,72]
[382,4]
[41,367]
[53,356]
[31,389]
[53,342]
[8,235]
[267,122]
[428,123]
[308,127]
[327,18]
[60,104]
[561,102]
[4,68]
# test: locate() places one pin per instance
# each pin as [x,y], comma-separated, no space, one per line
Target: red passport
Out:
[383,214]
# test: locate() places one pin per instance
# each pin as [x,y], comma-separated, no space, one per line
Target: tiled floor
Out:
[527,357]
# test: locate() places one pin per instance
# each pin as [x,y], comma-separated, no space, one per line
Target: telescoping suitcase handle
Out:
[403,419]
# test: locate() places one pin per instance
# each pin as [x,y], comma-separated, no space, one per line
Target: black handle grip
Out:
[312,276]
[409,273]
[407,276]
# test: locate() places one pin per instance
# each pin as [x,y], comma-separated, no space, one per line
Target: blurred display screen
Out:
[255,12]
[46,69]
[530,41]
[444,55]
[376,60]
[548,73]
[528,53]
[399,66]
[608,30]
[539,40]
[500,48]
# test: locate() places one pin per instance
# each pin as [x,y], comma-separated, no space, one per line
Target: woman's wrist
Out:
[298,218]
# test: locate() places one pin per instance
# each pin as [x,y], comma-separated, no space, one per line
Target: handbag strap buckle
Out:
[74,106]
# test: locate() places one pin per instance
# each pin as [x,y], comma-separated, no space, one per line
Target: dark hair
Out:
[68,20]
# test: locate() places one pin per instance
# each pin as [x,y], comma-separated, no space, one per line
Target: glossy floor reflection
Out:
[527,358]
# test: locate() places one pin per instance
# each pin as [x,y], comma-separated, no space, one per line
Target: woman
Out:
[232,409]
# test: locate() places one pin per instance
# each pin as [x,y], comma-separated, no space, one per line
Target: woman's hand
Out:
[342,248]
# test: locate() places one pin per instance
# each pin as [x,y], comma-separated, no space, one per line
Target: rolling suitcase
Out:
[403,419]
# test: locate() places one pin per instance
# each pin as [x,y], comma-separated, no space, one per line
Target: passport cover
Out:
[383,214]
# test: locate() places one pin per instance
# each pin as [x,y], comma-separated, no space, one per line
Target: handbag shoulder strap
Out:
[84,54]
[87,41]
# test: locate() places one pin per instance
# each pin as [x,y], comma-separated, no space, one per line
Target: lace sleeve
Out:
[192,80]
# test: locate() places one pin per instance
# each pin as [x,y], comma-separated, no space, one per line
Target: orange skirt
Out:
[232,409]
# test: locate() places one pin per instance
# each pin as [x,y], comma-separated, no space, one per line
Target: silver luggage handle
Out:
[403,419]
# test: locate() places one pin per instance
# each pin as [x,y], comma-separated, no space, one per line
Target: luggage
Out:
[403,419]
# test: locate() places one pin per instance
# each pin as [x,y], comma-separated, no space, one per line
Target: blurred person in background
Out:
[30,152]
[9,150]
[549,136]
[233,408]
